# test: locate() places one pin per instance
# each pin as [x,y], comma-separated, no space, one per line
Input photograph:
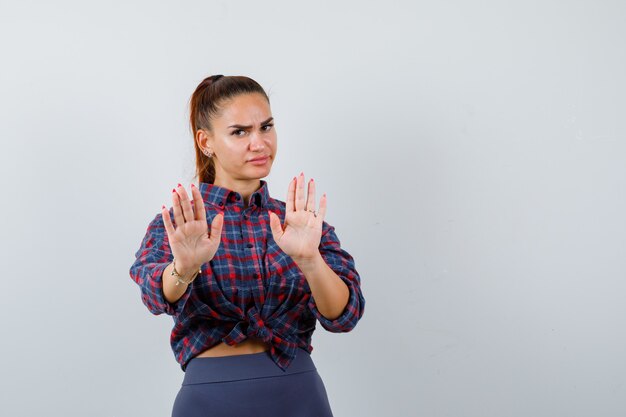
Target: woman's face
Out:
[244,131]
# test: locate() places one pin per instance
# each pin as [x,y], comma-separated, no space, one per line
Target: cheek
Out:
[273,143]
[235,149]
[231,155]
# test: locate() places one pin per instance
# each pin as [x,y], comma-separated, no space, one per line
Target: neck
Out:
[244,187]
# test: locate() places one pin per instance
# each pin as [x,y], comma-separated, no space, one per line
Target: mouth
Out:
[259,159]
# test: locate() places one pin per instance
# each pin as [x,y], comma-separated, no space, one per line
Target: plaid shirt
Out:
[250,287]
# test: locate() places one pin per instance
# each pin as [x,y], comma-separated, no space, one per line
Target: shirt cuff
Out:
[351,314]
[153,296]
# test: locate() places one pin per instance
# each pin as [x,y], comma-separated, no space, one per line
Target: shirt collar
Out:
[222,197]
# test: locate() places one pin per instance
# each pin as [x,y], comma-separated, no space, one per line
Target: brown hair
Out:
[205,104]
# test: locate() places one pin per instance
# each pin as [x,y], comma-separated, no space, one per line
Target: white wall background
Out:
[474,159]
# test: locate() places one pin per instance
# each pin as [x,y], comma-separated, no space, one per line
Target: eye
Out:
[268,126]
[236,132]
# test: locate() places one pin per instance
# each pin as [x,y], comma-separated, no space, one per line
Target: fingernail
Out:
[163,206]
[179,185]
[302,173]
[193,185]
[311,179]
[173,190]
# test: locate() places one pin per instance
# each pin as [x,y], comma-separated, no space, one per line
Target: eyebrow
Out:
[248,127]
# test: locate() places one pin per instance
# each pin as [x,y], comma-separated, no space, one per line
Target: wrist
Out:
[184,273]
[309,264]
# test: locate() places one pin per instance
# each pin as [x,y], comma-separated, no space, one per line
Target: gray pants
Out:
[251,385]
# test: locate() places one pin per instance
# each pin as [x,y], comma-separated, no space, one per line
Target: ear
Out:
[204,139]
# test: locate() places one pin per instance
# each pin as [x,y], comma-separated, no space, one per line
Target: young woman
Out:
[245,276]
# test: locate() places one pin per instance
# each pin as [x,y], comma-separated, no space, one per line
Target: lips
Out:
[259,158]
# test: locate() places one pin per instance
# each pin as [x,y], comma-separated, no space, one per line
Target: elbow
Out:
[143,277]
[353,316]
[348,319]
[149,303]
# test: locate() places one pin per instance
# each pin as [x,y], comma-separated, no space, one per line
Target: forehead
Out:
[245,109]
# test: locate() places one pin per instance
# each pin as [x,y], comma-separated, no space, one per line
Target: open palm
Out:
[190,242]
[300,236]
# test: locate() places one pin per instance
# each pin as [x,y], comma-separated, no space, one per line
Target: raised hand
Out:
[300,236]
[190,242]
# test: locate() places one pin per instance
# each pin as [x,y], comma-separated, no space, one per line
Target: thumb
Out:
[216,226]
[277,229]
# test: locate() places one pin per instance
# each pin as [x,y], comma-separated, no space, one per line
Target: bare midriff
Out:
[250,345]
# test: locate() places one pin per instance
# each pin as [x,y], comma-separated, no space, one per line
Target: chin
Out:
[260,171]
[264,173]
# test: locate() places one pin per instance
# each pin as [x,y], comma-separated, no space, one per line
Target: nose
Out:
[256,142]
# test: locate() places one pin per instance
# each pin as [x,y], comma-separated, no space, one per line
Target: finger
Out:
[321,214]
[216,227]
[198,203]
[185,203]
[310,200]
[178,212]
[167,221]
[300,192]
[291,196]
[275,226]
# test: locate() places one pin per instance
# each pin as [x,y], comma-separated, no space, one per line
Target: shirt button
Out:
[249,245]
[221,203]
[256,276]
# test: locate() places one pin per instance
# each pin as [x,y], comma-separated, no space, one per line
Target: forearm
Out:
[331,294]
[171,291]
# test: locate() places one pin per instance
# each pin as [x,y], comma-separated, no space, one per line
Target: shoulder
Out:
[156,222]
[156,228]
[276,205]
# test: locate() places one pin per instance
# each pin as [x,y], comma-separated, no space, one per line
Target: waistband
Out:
[201,370]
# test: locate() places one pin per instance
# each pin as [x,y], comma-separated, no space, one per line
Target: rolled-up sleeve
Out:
[151,259]
[342,263]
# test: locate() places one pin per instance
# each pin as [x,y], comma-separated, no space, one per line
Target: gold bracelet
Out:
[179,278]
